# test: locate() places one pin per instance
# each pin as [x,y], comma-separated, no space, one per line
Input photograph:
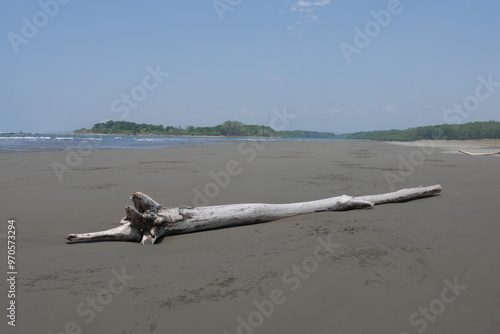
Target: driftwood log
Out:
[469,153]
[147,220]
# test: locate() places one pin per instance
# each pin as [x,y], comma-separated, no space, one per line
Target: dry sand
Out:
[429,265]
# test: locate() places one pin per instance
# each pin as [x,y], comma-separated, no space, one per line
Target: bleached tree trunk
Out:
[469,153]
[148,220]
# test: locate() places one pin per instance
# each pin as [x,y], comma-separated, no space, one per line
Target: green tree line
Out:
[228,128]
[467,131]
[306,134]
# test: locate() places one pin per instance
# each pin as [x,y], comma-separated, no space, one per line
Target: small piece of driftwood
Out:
[147,220]
[469,153]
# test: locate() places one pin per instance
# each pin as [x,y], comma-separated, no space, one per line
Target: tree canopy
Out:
[228,128]
[467,131]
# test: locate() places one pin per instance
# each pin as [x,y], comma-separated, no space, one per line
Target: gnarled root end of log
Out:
[143,202]
[148,239]
[133,216]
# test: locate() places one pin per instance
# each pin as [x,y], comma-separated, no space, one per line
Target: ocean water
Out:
[66,142]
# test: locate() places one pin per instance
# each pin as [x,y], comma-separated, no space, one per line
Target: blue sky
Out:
[89,61]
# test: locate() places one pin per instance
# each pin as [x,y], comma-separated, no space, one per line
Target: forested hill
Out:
[229,128]
[467,131]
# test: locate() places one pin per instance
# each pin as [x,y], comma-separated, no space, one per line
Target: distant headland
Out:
[226,129]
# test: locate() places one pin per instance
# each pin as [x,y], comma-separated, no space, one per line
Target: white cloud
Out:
[308,6]
[307,11]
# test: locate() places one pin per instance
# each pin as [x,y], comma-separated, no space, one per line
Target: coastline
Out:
[383,264]
[160,135]
[84,143]
[452,146]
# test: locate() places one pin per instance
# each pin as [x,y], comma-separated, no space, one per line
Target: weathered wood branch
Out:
[469,153]
[148,220]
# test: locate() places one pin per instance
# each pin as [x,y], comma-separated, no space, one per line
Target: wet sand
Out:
[429,265]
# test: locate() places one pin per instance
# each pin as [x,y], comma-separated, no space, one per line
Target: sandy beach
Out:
[428,265]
